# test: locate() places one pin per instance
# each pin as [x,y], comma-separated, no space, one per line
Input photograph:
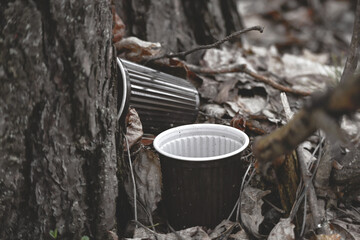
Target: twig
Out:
[275,84]
[237,204]
[132,177]
[235,68]
[146,228]
[201,47]
[177,235]
[244,69]
[307,178]
[344,99]
[353,57]
[226,233]
[274,207]
[300,192]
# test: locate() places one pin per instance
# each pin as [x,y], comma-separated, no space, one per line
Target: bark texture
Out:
[58,104]
[180,24]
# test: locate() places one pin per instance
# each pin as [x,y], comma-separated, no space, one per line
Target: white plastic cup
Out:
[202,172]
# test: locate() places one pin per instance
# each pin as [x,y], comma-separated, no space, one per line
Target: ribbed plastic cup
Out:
[201,172]
[162,101]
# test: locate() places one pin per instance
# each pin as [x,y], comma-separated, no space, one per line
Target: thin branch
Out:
[309,190]
[146,228]
[274,207]
[353,57]
[213,45]
[344,99]
[244,69]
[132,177]
[275,84]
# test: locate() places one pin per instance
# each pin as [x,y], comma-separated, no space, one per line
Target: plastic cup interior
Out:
[201,142]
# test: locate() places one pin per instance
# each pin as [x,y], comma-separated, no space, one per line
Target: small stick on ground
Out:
[244,69]
[213,45]
[354,51]
[317,213]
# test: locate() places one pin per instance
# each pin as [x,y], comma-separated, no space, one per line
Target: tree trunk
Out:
[59,136]
[180,24]
[58,101]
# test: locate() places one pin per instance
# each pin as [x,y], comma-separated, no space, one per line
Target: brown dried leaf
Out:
[134,130]
[119,27]
[249,125]
[328,237]
[209,88]
[113,235]
[224,91]
[134,49]
[251,203]
[147,174]
[213,110]
[194,233]
[241,235]
[229,230]
[348,231]
[283,230]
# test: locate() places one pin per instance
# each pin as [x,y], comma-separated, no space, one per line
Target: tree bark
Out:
[180,24]
[58,101]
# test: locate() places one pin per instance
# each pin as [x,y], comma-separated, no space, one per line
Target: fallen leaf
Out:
[119,26]
[229,230]
[222,228]
[283,230]
[243,123]
[224,91]
[209,88]
[214,110]
[308,75]
[147,173]
[251,202]
[241,235]
[194,233]
[348,231]
[113,235]
[134,130]
[328,237]
[134,49]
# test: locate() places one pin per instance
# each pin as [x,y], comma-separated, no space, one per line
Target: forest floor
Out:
[301,52]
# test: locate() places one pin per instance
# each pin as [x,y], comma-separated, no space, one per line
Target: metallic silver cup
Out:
[162,101]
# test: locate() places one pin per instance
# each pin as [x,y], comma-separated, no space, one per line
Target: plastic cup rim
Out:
[199,159]
[125,96]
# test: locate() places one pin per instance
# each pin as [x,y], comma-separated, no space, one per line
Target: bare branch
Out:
[213,45]
[244,69]
[353,57]
[345,99]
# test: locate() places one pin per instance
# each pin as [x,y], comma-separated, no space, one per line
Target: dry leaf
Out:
[194,233]
[209,88]
[348,231]
[251,202]
[328,237]
[227,228]
[113,235]
[224,91]
[119,26]
[213,110]
[283,230]
[147,174]
[134,130]
[136,50]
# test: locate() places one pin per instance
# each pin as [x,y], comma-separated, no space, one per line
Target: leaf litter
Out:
[240,100]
